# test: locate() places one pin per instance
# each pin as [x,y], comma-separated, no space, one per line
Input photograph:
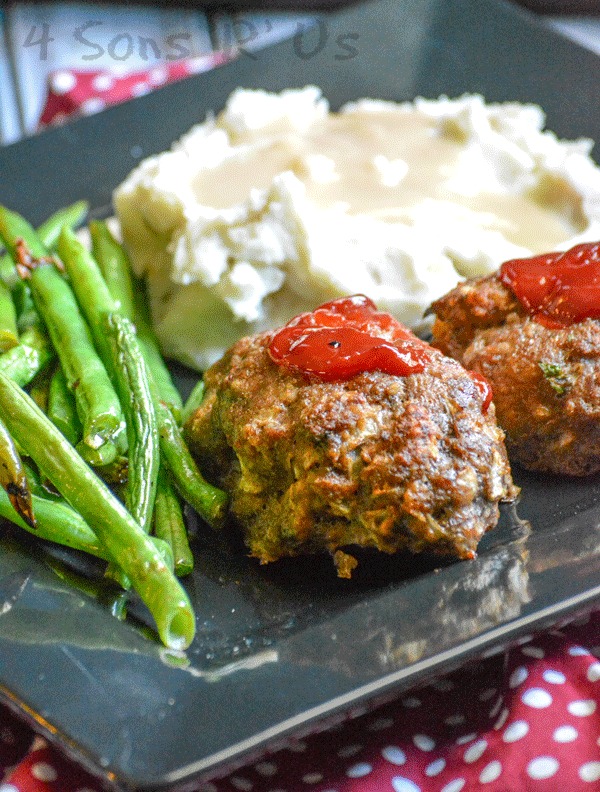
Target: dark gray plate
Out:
[289,647]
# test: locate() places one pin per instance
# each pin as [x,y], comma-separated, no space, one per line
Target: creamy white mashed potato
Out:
[277,205]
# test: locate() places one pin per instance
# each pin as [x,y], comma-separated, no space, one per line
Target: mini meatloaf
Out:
[381,461]
[546,381]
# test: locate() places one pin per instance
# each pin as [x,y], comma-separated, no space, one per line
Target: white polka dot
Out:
[502,718]
[241,783]
[349,750]
[103,82]
[314,778]
[92,105]
[565,734]
[359,770]
[140,89]
[412,702]
[536,698]
[454,786]
[576,651]
[8,788]
[582,708]
[487,694]
[496,708]
[380,724]
[443,685]
[593,672]
[454,720]
[298,747]
[266,769]
[394,755]
[518,676]
[60,118]
[195,65]
[465,739]
[581,621]
[590,771]
[401,784]
[158,75]
[62,82]
[516,731]
[44,772]
[533,651]
[435,768]
[542,767]
[554,677]
[475,751]
[524,639]
[490,772]
[424,742]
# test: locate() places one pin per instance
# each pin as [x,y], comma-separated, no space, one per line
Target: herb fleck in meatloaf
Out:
[378,460]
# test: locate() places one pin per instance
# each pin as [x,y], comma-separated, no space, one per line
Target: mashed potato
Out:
[277,205]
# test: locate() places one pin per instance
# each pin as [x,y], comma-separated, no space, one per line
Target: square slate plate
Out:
[288,648]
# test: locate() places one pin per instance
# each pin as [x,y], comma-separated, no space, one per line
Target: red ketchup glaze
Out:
[349,336]
[557,289]
[346,337]
[484,388]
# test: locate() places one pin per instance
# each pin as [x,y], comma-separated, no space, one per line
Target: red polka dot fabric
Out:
[528,720]
[74,92]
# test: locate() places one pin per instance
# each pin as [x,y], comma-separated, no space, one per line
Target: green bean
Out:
[170,525]
[9,336]
[193,401]
[13,228]
[114,266]
[89,286]
[56,522]
[39,388]
[48,233]
[13,478]
[62,410]
[161,375]
[23,362]
[97,403]
[104,455]
[69,217]
[115,473]
[131,377]
[128,545]
[210,502]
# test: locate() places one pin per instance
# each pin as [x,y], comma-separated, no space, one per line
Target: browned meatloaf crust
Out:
[546,382]
[377,461]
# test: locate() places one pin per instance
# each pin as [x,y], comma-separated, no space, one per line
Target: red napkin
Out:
[525,720]
[72,92]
